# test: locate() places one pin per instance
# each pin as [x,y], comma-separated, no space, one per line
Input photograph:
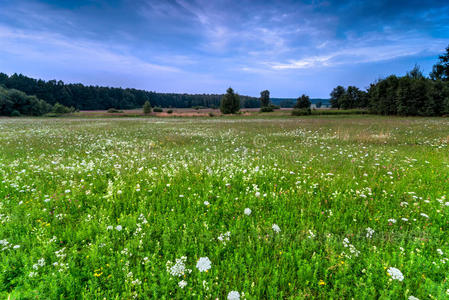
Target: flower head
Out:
[395,274]
[247,211]
[203,264]
[233,295]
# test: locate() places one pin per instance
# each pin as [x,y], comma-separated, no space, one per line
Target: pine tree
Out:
[230,103]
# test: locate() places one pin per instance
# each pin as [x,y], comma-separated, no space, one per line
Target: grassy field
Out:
[326,207]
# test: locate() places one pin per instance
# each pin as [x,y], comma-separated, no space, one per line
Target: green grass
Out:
[66,184]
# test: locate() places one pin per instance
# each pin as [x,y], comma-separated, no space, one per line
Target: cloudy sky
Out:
[205,46]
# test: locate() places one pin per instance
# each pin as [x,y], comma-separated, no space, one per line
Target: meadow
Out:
[258,207]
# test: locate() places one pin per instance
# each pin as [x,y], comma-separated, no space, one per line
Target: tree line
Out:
[410,95]
[83,97]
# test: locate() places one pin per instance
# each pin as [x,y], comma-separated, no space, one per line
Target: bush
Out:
[266,109]
[61,109]
[114,110]
[169,111]
[211,114]
[301,112]
[147,108]
[15,113]
[158,109]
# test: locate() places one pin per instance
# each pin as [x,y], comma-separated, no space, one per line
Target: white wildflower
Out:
[247,211]
[203,264]
[276,228]
[182,283]
[369,232]
[395,274]
[233,295]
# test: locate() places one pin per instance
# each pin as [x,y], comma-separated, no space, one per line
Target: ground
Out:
[258,206]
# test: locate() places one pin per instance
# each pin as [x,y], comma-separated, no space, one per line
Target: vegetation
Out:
[102,98]
[16,103]
[339,207]
[265,103]
[158,109]
[230,103]
[409,95]
[147,107]
[302,106]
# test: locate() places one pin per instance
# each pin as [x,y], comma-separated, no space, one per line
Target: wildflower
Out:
[412,298]
[178,268]
[257,194]
[223,237]
[206,203]
[247,211]
[392,220]
[182,283]
[16,247]
[119,228]
[311,234]
[203,264]
[395,274]
[233,295]
[276,228]
[424,215]
[370,232]
[440,252]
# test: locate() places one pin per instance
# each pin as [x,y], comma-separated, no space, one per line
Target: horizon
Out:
[198,47]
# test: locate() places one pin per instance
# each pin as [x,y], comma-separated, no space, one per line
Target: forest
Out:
[84,97]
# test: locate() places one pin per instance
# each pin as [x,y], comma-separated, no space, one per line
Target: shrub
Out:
[211,114]
[114,110]
[147,108]
[61,109]
[230,103]
[158,109]
[169,111]
[301,112]
[15,113]
[266,109]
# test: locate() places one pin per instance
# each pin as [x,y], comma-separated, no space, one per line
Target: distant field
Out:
[178,208]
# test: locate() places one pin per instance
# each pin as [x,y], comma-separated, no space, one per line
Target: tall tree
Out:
[336,94]
[147,107]
[303,102]
[441,69]
[265,98]
[230,103]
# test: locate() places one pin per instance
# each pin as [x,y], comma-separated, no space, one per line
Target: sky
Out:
[206,46]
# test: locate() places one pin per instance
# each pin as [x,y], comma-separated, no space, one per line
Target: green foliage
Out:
[230,103]
[158,109]
[301,111]
[61,109]
[336,94]
[440,70]
[170,111]
[147,107]
[266,109]
[15,113]
[303,102]
[11,100]
[101,98]
[264,99]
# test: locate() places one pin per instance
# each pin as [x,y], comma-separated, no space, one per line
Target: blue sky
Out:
[205,46]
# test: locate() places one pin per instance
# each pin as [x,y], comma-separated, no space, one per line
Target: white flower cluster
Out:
[203,264]
[369,232]
[224,237]
[351,247]
[395,274]
[178,268]
[247,211]
[276,228]
[233,295]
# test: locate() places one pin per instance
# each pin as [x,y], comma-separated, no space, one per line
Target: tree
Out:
[303,102]
[441,69]
[336,94]
[230,103]
[265,98]
[319,104]
[147,107]
[350,99]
